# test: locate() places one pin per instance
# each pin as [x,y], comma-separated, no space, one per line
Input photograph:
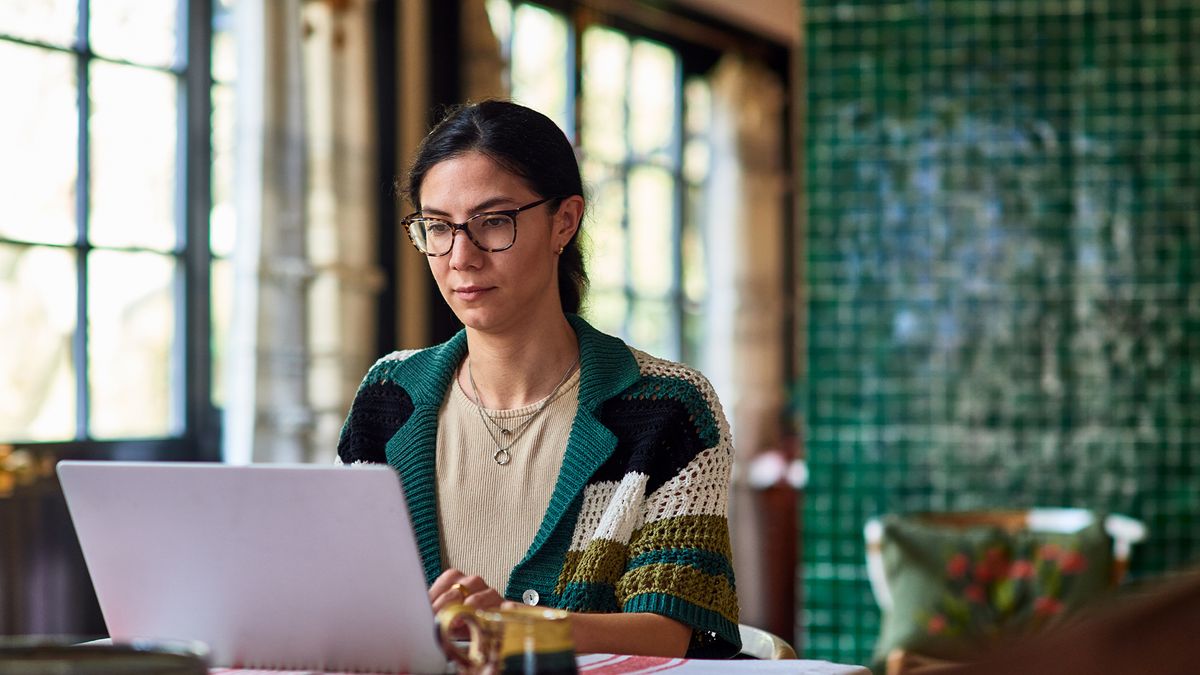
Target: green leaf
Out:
[956,608]
[1052,587]
[1004,596]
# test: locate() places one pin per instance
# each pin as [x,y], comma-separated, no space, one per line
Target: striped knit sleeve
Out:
[679,559]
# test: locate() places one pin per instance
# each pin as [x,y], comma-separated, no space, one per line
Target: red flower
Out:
[957,566]
[1073,562]
[1047,606]
[937,624]
[993,566]
[975,593]
[1049,552]
[984,573]
[1021,569]
[996,562]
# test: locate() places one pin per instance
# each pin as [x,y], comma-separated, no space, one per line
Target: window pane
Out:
[606,311]
[500,17]
[38,131]
[221,281]
[224,50]
[697,159]
[605,66]
[222,220]
[697,115]
[37,373]
[539,64]
[152,21]
[606,234]
[650,328]
[695,277]
[693,336]
[224,55]
[131,328]
[133,132]
[653,119]
[698,106]
[651,214]
[51,21]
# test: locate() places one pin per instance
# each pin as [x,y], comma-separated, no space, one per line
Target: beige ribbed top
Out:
[488,514]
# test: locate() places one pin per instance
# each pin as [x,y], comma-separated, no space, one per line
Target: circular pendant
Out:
[502,456]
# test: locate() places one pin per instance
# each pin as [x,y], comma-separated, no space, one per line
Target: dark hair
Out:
[527,144]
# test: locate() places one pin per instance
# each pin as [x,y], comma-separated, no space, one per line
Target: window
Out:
[641,127]
[100,272]
[223,213]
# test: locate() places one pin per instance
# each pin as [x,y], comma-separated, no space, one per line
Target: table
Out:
[616,664]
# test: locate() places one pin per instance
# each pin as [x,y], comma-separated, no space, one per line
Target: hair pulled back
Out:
[523,142]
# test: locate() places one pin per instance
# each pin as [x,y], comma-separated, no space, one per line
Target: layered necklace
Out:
[505,437]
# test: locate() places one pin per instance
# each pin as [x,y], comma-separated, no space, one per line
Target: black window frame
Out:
[199,429]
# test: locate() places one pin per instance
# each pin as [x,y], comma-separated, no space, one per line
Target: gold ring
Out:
[462,590]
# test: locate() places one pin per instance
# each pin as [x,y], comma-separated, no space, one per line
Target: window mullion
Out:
[680,194]
[625,170]
[79,344]
[193,359]
[575,27]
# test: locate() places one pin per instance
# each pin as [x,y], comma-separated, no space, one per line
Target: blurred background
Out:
[933,254]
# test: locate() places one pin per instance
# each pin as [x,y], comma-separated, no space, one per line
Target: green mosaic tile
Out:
[1002,238]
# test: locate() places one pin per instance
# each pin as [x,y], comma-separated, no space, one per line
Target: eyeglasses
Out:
[491,231]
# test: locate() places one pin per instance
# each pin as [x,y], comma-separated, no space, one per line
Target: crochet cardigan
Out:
[637,521]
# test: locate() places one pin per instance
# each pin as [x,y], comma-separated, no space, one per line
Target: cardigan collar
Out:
[607,367]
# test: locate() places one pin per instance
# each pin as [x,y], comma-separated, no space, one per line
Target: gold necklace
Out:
[502,456]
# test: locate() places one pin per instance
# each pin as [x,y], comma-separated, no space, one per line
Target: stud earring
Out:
[560,249]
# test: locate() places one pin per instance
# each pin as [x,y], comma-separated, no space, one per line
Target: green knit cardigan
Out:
[637,521]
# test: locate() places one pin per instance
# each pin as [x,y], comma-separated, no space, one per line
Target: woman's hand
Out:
[452,587]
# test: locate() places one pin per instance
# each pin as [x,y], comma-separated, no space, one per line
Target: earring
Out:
[560,249]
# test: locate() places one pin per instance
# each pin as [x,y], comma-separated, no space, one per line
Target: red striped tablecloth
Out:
[616,664]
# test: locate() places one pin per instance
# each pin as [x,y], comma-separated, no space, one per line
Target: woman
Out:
[543,461]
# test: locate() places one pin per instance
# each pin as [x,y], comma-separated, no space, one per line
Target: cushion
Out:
[957,589]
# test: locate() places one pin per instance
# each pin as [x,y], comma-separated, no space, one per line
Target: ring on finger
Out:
[462,590]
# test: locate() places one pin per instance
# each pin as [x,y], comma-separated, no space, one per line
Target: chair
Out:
[1122,530]
[761,644]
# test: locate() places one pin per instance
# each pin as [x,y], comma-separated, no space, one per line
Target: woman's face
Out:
[493,292]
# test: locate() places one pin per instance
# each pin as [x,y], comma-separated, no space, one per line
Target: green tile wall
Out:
[1003,226]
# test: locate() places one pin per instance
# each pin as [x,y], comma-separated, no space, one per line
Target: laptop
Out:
[293,567]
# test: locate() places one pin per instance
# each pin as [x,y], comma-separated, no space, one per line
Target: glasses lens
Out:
[492,231]
[431,236]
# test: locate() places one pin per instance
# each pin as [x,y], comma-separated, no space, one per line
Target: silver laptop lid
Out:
[273,566]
